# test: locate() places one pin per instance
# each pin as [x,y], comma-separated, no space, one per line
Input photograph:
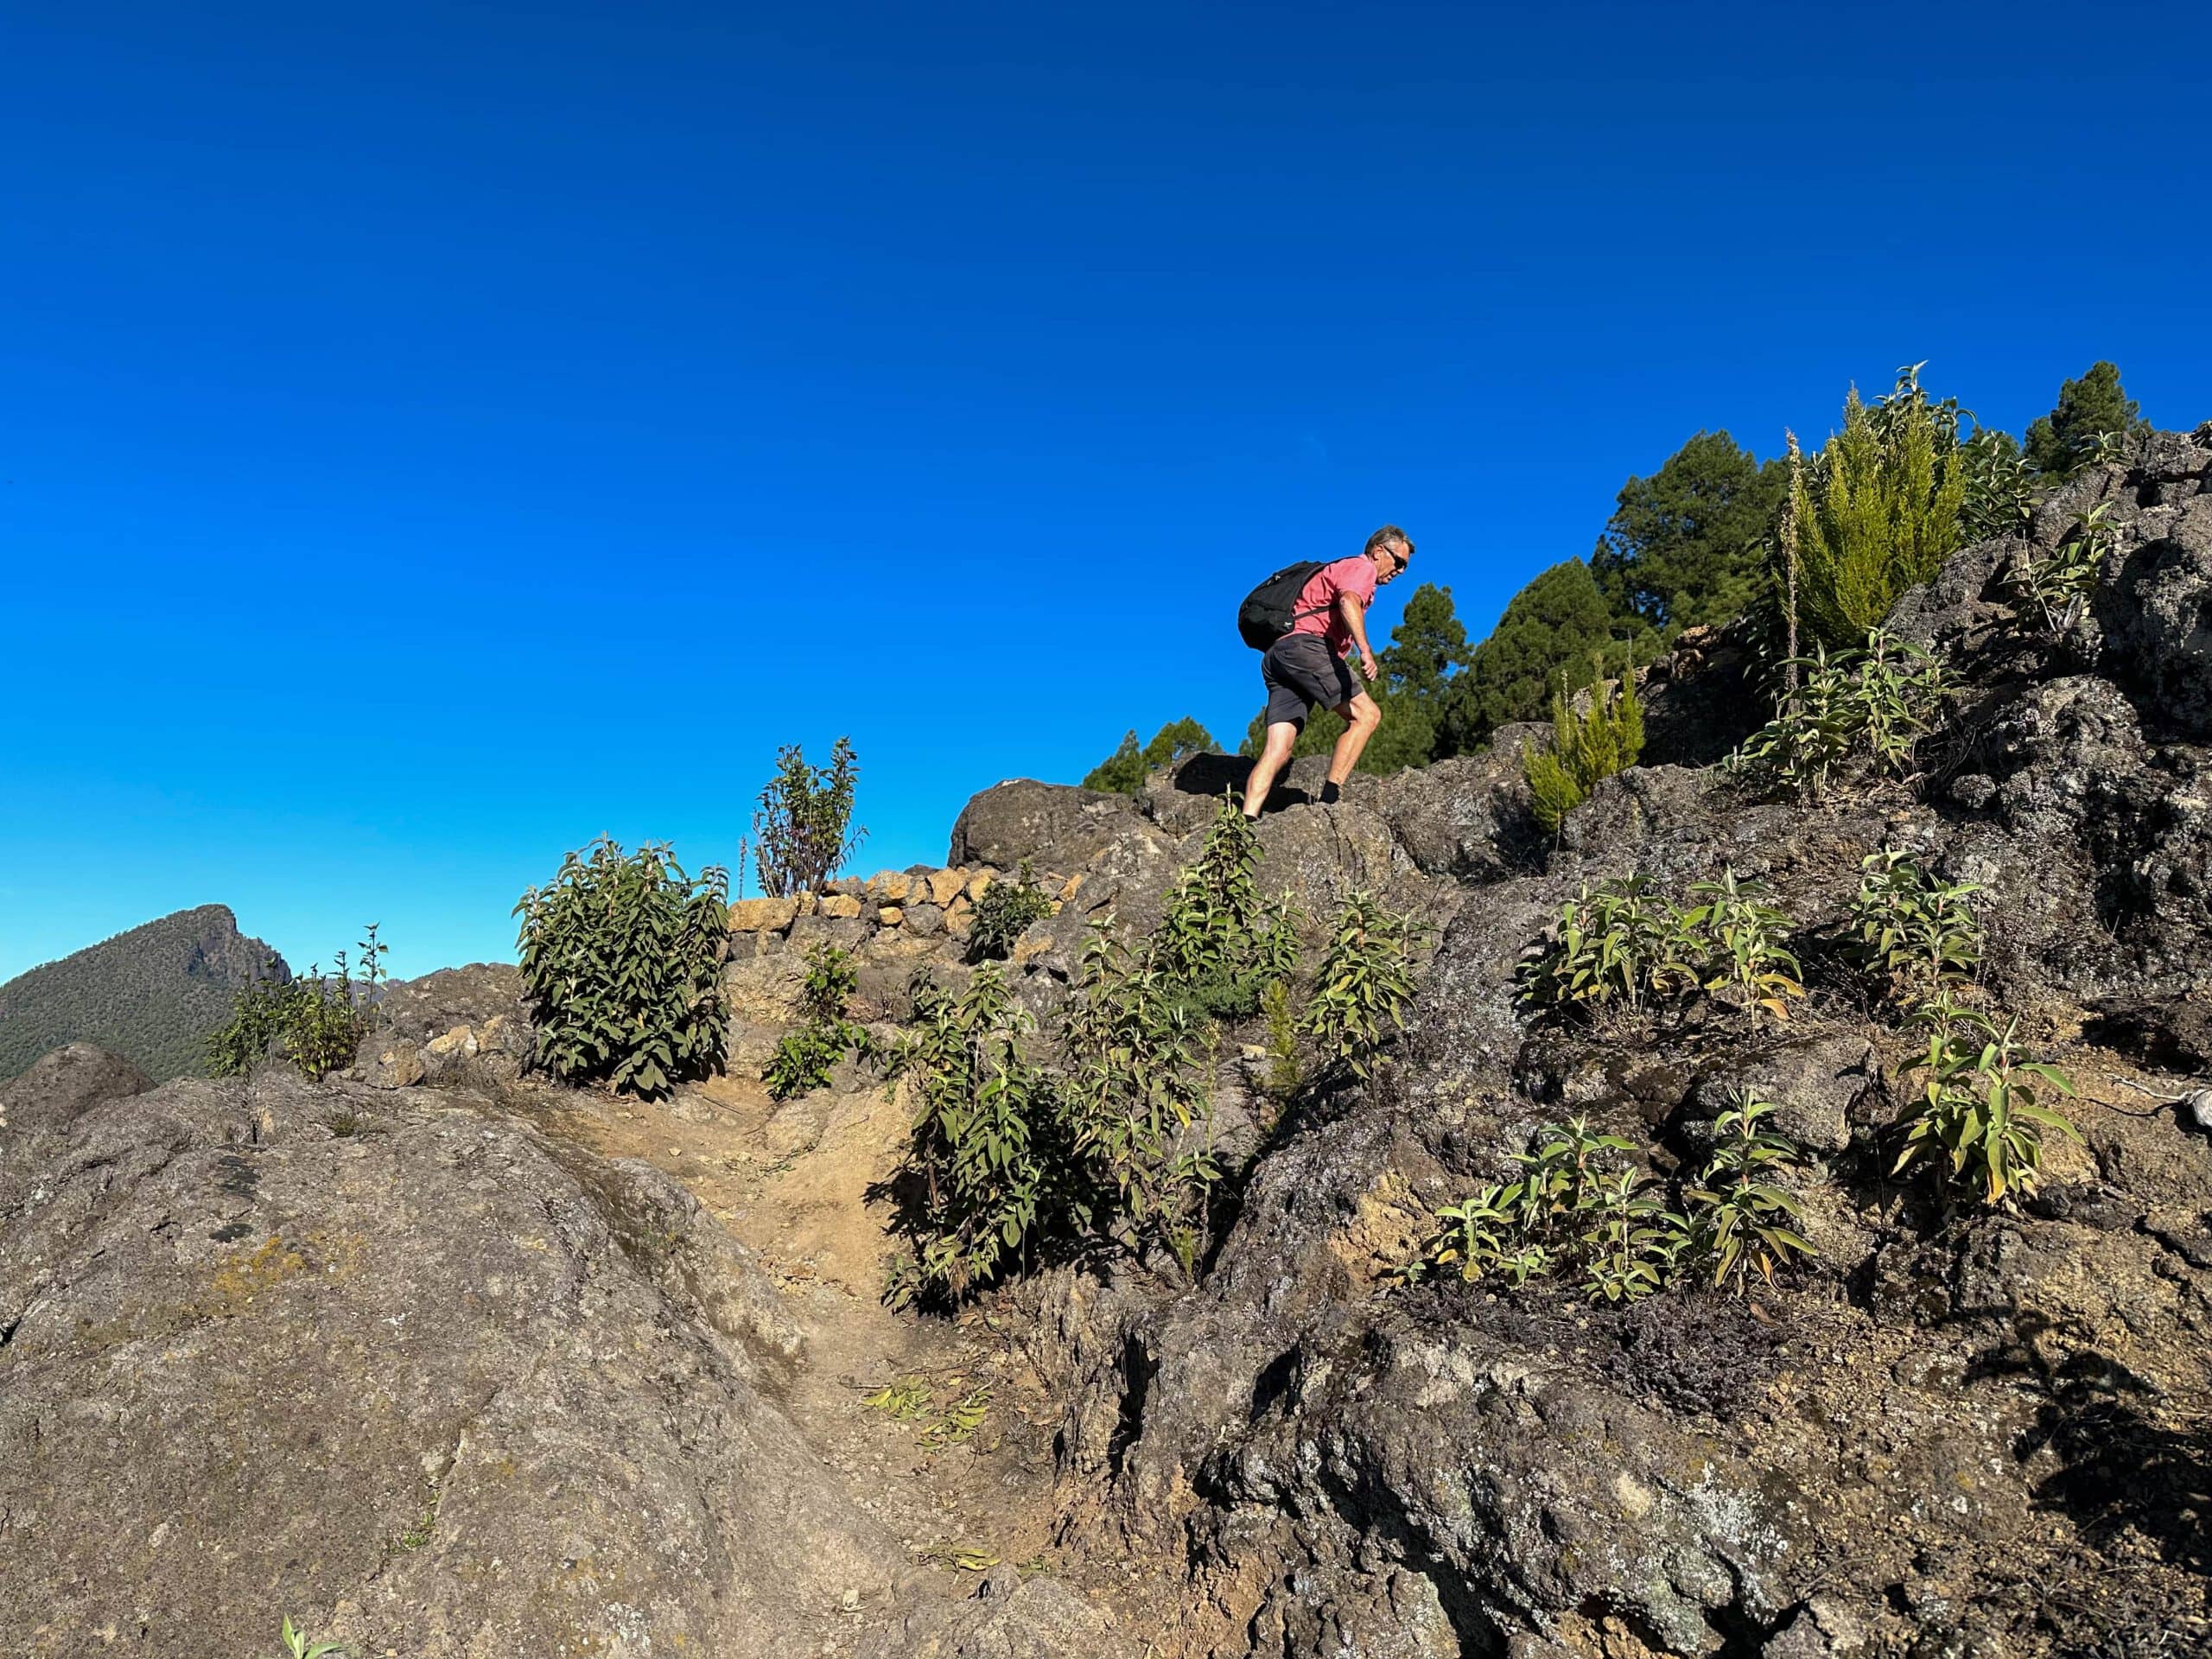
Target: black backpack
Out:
[1270,610]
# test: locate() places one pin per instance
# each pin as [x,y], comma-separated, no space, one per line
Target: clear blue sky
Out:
[436,435]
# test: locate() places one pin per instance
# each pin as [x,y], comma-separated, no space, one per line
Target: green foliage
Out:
[981,1152]
[1979,1119]
[296,1645]
[802,832]
[1124,771]
[1686,546]
[1743,951]
[1857,713]
[2092,411]
[1286,1068]
[1877,510]
[1560,618]
[1005,909]
[1219,945]
[154,996]
[1582,1207]
[1744,1220]
[1616,943]
[810,1049]
[1140,1112]
[1914,929]
[1621,945]
[316,1022]
[2001,496]
[1365,982]
[1585,746]
[621,962]
[2057,582]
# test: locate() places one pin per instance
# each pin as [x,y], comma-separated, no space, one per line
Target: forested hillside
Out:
[152,995]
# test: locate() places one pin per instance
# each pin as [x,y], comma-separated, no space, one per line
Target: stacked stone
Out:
[918,904]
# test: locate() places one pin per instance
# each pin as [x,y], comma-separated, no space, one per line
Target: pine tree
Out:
[1124,771]
[1586,745]
[1877,510]
[1685,546]
[2096,406]
[1559,618]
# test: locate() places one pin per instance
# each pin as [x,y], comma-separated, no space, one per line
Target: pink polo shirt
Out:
[1353,575]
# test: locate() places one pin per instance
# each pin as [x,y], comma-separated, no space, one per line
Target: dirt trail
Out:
[790,1182]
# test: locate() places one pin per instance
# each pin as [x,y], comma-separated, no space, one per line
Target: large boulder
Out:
[1057,827]
[401,1369]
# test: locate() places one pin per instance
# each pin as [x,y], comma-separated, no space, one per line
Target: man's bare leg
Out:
[1274,755]
[1361,716]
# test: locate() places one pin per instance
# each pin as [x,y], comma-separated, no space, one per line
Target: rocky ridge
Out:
[446,1361]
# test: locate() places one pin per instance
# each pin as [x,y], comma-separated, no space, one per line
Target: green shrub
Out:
[1139,1107]
[1979,1119]
[621,962]
[1615,943]
[1744,1220]
[1364,983]
[1914,929]
[2093,415]
[1743,949]
[981,1152]
[1585,747]
[1219,946]
[1001,914]
[802,832]
[316,1022]
[2057,582]
[2001,487]
[1877,510]
[810,1049]
[1858,714]
[1581,1207]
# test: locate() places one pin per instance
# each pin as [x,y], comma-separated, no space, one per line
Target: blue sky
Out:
[438,435]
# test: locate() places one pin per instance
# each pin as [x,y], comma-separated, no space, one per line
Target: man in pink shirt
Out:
[1305,668]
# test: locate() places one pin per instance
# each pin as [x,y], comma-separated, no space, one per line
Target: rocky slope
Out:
[445,1360]
[152,995]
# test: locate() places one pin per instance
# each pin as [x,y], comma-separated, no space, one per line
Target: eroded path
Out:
[972,1493]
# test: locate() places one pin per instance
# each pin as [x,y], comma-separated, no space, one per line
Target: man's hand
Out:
[1368,669]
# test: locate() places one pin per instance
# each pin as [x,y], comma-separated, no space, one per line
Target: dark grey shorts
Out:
[1301,673]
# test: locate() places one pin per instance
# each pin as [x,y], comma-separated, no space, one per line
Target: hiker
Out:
[1307,618]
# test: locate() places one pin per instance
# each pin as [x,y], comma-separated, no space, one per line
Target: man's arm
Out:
[1354,612]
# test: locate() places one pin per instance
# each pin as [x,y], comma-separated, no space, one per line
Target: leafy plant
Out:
[1877,510]
[1139,1113]
[1365,982]
[316,1022]
[1563,1172]
[802,832]
[981,1138]
[1915,930]
[1979,1117]
[296,1645]
[1632,1241]
[960,1421]
[1585,746]
[2000,497]
[904,1401]
[1865,712]
[621,961]
[2058,581]
[1616,943]
[1744,1220]
[810,1049]
[1001,914]
[1743,951]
